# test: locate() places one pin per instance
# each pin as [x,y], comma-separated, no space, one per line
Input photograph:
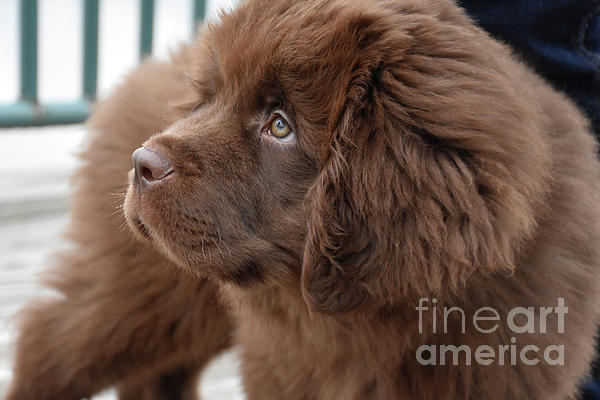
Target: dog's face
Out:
[365,150]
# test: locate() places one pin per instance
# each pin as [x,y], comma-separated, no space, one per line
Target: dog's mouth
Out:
[141,228]
[206,245]
[185,237]
[135,222]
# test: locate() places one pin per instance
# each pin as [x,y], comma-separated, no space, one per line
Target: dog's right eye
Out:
[280,129]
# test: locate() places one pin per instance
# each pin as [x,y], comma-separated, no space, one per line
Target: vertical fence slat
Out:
[199,14]
[146,25]
[28,112]
[29,63]
[90,48]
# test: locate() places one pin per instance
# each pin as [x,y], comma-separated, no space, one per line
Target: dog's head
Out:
[370,150]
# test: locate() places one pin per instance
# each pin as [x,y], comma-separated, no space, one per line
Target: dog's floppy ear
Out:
[432,173]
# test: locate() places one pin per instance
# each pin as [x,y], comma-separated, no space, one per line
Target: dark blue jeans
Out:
[560,39]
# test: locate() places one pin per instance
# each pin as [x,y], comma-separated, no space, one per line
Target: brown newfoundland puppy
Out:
[373,199]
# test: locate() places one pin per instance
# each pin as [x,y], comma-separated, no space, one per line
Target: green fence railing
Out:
[28,110]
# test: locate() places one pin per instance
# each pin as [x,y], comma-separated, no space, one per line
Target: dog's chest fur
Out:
[284,346]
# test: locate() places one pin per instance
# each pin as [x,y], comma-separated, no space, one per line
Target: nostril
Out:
[150,166]
[146,173]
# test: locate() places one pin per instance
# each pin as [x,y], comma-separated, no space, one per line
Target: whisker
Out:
[118,210]
[216,244]
[224,244]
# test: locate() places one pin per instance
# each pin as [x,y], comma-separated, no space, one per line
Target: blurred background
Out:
[37,161]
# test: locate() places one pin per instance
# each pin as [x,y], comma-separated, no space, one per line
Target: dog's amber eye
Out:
[280,127]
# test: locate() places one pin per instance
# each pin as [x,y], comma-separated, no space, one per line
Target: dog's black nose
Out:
[150,167]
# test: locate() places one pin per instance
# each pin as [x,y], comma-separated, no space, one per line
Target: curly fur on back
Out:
[429,163]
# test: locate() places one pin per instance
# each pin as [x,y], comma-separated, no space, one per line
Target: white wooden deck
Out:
[35,165]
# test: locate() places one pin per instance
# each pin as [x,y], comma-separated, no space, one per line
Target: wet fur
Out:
[430,163]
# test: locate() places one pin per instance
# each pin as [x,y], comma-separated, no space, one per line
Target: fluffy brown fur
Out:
[428,162]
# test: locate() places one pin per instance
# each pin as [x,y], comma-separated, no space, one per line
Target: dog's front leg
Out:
[144,327]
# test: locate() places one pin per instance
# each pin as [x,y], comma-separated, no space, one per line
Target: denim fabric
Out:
[591,391]
[559,38]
